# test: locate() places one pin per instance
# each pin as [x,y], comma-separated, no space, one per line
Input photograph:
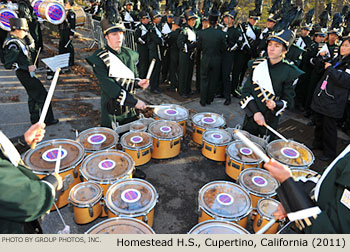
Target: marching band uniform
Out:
[166,29]
[141,34]
[117,94]
[276,81]
[262,43]
[18,55]
[129,16]
[174,52]
[24,197]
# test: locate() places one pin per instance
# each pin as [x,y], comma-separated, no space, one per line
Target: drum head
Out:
[245,133]
[107,166]
[299,173]
[172,113]
[136,140]
[217,136]
[85,193]
[5,15]
[122,225]
[131,197]
[209,120]
[98,138]
[238,151]
[55,12]
[290,153]
[43,158]
[224,199]
[217,227]
[165,129]
[35,4]
[138,126]
[266,207]
[258,181]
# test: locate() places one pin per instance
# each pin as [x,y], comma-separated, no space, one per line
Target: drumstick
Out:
[251,145]
[58,160]
[150,70]
[67,43]
[47,101]
[157,106]
[37,56]
[266,227]
[275,132]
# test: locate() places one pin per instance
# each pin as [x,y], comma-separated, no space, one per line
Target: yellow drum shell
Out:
[134,198]
[215,142]
[239,157]
[86,201]
[140,157]
[80,16]
[203,216]
[45,14]
[121,225]
[217,227]
[258,183]
[42,161]
[138,145]
[163,149]
[197,133]
[214,152]
[265,209]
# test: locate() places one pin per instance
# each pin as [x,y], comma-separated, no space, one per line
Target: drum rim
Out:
[220,145]
[263,195]
[203,223]
[57,22]
[121,218]
[96,128]
[79,205]
[106,181]
[203,206]
[165,139]
[176,105]
[203,127]
[125,146]
[25,156]
[260,212]
[132,214]
[230,157]
[137,122]
[296,166]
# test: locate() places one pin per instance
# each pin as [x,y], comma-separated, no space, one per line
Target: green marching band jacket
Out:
[24,197]
[277,83]
[320,204]
[117,94]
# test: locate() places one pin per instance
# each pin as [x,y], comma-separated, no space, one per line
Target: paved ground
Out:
[76,104]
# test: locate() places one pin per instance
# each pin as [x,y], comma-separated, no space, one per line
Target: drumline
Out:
[97,176]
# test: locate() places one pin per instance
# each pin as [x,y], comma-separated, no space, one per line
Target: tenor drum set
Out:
[97,172]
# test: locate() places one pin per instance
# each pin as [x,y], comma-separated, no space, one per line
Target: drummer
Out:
[117,99]
[24,197]
[330,197]
[269,89]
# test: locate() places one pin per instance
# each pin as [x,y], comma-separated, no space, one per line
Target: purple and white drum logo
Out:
[106,164]
[55,12]
[208,120]
[225,199]
[96,139]
[216,136]
[165,129]
[131,195]
[259,181]
[290,152]
[51,154]
[136,139]
[245,151]
[171,112]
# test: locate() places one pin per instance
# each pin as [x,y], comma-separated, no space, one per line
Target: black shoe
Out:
[202,104]
[139,174]
[185,96]
[156,91]
[325,158]
[311,123]
[219,96]
[234,94]
[55,121]
[307,114]
[227,102]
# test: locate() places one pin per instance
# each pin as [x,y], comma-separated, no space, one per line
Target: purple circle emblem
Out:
[208,120]
[290,152]
[225,199]
[259,181]
[165,129]
[5,18]
[55,12]
[246,151]
[130,195]
[136,139]
[36,7]
[107,164]
[52,155]
[96,138]
[217,136]
[171,111]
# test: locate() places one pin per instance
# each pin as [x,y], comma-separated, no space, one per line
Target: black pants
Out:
[240,65]
[326,134]
[64,38]
[226,69]
[36,96]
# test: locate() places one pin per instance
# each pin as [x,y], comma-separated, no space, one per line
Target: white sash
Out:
[266,30]
[261,76]
[191,36]
[300,43]
[166,29]
[159,34]
[128,17]
[250,33]
[143,30]
[118,69]
[324,49]
[9,150]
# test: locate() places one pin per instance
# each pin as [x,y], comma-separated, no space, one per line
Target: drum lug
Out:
[229,163]
[259,222]
[214,149]
[138,154]
[157,143]
[105,207]
[91,212]
[171,144]
[75,172]
[145,219]
[81,178]
[68,180]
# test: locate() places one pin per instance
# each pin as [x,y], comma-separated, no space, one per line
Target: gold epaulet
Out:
[104,56]
[260,95]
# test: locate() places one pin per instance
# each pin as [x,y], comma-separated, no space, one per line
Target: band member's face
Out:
[115,39]
[145,21]
[270,24]
[226,20]
[170,20]
[304,32]
[319,39]
[205,24]
[20,33]
[129,7]
[274,49]
[345,48]
[252,21]
[191,22]
[332,38]
[157,20]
